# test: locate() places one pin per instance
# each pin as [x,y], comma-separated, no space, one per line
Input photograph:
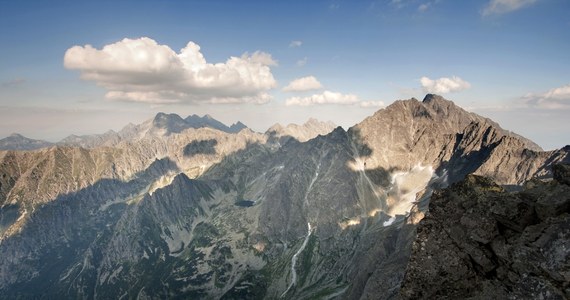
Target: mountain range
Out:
[162,124]
[19,142]
[192,208]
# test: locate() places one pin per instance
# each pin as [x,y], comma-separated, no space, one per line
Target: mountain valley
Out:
[191,208]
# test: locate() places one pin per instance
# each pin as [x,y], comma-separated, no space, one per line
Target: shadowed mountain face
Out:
[195,121]
[246,215]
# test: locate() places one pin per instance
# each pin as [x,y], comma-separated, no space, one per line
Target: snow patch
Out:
[389,222]
[405,187]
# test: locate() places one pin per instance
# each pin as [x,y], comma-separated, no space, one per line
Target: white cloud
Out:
[303,84]
[423,7]
[372,104]
[556,98]
[294,44]
[444,85]
[505,6]
[141,70]
[302,62]
[327,97]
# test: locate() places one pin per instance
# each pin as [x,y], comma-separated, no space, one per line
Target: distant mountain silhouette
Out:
[19,142]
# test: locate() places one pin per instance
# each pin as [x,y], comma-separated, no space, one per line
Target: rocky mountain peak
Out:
[423,128]
[161,118]
[195,121]
[237,127]
[16,141]
[441,105]
[170,123]
[429,98]
[310,129]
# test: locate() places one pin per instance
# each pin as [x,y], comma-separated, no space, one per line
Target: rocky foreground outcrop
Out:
[480,242]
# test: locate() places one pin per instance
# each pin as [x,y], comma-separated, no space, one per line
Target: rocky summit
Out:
[19,142]
[186,208]
[480,242]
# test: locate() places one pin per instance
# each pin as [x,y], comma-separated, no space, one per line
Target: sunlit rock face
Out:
[182,212]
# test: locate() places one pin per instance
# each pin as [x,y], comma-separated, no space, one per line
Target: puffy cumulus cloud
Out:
[444,85]
[327,97]
[294,44]
[303,84]
[497,7]
[556,98]
[141,70]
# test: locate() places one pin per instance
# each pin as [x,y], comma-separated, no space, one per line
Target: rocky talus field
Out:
[480,242]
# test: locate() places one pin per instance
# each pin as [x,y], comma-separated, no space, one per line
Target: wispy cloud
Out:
[421,5]
[398,3]
[497,7]
[307,83]
[295,44]
[556,98]
[13,82]
[141,70]
[302,62]
[444,85]
[424,7]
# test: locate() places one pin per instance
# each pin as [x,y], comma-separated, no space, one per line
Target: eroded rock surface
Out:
[480,242]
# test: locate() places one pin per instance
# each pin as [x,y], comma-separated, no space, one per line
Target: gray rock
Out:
[527,256]
[166,210]
[19,142]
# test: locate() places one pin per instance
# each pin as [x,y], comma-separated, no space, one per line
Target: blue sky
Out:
[505,59]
